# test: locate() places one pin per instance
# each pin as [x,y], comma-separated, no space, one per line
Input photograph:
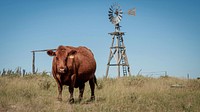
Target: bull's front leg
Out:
[71,91]
[60,87]
[60,92]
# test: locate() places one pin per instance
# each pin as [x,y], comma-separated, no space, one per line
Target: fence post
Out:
[33,63]
[188,76]
[166,73]
[23,72]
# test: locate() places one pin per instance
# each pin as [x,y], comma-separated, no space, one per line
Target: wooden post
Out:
[165,73]
[24,72]
[33,63]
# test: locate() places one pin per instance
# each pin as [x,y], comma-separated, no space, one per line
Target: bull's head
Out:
[60,58]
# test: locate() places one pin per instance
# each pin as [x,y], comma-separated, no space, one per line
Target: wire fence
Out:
[21,72]
[154,74]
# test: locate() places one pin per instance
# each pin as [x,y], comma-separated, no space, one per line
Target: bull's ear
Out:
[72,52]
[51,53]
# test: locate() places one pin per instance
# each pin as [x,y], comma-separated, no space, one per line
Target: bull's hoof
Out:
[92,98]
[59,99]
[79,100]
[71,100]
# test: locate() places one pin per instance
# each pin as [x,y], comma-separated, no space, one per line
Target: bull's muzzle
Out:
[62,70]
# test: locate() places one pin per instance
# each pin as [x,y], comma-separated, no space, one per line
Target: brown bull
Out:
[73,66]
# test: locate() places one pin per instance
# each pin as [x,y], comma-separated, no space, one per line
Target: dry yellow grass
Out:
[138,94]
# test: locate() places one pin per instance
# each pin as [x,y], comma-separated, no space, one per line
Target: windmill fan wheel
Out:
[115,14]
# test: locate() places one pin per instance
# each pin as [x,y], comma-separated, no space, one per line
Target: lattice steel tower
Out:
[117,49]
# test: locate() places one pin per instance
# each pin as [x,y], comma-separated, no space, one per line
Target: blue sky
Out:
[163,36]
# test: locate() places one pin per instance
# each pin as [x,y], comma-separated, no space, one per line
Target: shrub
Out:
[44,83]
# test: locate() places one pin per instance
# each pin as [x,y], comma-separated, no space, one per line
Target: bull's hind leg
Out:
[71,88]
[81,90]
[92,87]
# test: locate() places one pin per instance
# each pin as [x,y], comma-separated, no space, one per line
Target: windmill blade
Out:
[117,19]
[110,11]
[110,18]
[117,6]
[110,15]
[111,8]
[120,11]
[120,17]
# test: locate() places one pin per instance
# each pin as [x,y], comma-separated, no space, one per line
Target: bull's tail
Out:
[99,86]
[95,80]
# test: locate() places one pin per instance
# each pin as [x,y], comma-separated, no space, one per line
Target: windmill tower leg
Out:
[125,59]
[110,56]
[118,55]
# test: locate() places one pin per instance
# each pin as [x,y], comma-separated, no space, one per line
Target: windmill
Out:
[117,56]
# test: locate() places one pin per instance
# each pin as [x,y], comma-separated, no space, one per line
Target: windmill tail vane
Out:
[132,12]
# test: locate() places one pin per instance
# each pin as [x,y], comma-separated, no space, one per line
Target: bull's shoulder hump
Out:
[71,47]
[81,49]
[84,50]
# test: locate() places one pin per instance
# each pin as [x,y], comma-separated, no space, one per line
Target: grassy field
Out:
[128,94]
